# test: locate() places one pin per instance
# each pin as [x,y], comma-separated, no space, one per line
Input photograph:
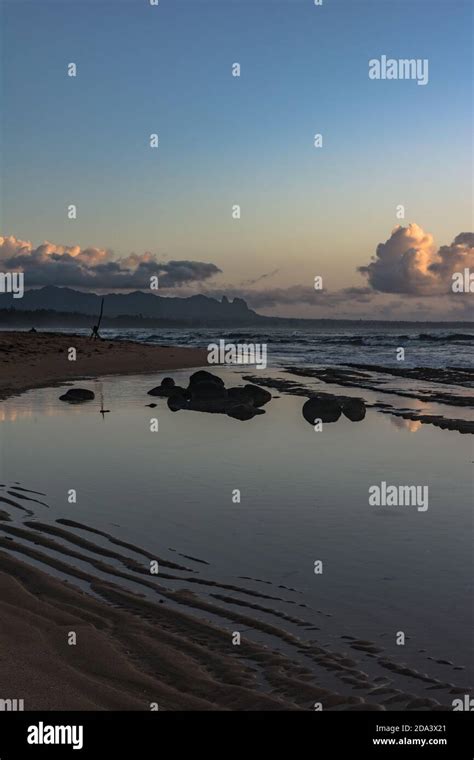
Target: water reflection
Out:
[411,425]
[45,402]
[304,495]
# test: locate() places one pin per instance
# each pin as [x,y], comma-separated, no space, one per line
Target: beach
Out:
[31,360]
[130,654]
[236,374]
[236,617]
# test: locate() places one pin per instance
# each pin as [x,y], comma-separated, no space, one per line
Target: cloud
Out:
[265,276]
[410,263]
[409,266]
[455,257]
[72,266]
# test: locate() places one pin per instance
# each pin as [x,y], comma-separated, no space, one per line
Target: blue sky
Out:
[226,140]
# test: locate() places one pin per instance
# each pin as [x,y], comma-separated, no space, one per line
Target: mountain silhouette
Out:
[137,304]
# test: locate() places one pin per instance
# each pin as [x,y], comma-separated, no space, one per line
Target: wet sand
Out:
[131,652]
[34,360]
[135,650]
[169,639]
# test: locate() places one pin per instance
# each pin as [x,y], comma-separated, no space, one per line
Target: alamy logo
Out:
[12,705]
[463,282]
[240,353]
[42,734]
[12,282]
[466,704]
[399,496]
[402,68]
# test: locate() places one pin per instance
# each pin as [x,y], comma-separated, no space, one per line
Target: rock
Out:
[77,395]
[157,391]
[324,408]
[249,394]
[166,387]
[212,405]
[202,376]
[238,396]
[206,388]
[177,401]
[208,396]
[353,409]
[207,391]
[259,395]
[243,411]
[167,392]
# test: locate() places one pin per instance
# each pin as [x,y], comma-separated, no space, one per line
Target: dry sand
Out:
[31,360]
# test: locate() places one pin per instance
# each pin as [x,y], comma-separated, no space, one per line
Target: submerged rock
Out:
[207,389]
[207,393]
[204,377]
[77,395]
[177,401]
[243,411]
[237,395]
[207,396]
[250,394]
[166,387]
[211,405]
[324,408]
[353,409]
[159,391]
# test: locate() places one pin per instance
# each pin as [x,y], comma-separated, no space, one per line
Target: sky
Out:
[305,211]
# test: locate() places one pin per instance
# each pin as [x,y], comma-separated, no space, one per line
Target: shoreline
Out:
[177,651]
[131,652]
[42,358]
[142,640]
[128,654]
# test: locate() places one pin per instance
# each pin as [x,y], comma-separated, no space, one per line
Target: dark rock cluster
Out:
[207,393]
[329,408]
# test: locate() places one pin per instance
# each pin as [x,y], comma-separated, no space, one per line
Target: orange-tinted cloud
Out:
[73,266]
[409,262]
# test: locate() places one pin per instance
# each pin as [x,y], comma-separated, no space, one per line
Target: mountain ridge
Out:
[53,305]
[134,304]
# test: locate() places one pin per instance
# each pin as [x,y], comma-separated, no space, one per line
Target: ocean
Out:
[366,344]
